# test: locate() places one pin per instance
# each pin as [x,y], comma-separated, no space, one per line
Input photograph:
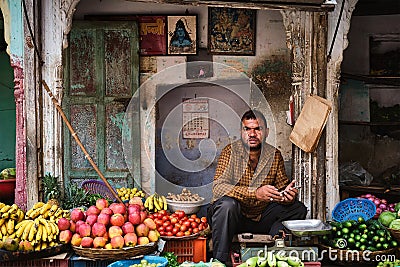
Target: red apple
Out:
[77,225]
[143,240]
[114,231]
[107,211]
[77,215]
[72,226]
[87,242]
[117,219]
[91,219]
[128,228]
[130,239]
[136,200]
[92,210]
[134,218]
[99,242]
[133,208]
[65,236]
[85,229]
[63,224]
[99,229]
[117,242]
[150,223]
[103,218]
[118,208]
[142,230]
[101,203]
[143,215]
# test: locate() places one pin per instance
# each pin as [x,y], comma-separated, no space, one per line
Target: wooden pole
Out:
[87,156]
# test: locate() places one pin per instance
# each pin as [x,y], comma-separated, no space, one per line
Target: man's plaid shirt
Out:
[235,178]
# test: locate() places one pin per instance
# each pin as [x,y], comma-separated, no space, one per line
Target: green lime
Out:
[346,230]
[360,219]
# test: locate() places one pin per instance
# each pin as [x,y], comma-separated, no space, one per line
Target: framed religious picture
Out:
[152,35]
[182,35]
[231,31]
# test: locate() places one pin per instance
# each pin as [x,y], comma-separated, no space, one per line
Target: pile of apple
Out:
[109,226]
[178,223]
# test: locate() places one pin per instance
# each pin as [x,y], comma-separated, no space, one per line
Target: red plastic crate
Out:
[188,250]
[37,263]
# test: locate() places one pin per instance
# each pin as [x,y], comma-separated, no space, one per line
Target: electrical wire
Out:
[6,86]
[336,30]
[41,62]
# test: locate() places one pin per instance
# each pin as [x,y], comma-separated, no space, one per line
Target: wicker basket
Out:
[344,257]
[395,233]
[115,254]
[98,187]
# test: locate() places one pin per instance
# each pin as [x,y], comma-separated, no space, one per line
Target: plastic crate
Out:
[193,250]
[76,261]
[37,263]
[150,259]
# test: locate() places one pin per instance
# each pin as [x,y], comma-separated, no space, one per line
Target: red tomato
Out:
[165,218]
[174,215]
[166,223]
[197,220]
[163,212]
[162,233]
[196,230]
[190,230]
[169,228]
[175,231]
[194,225]
[183,228]
[150,216]
[159,216]
[178,225]
[161,229]
[169,234]
[187,233]
[203,219]
[185,218]
[174,220]
[194,216]
[179,234]
[187,224]
[191,219]
[201,227]
[180,213]
[158,222]
[205,225]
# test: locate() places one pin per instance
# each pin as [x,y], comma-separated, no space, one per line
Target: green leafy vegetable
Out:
[172,259]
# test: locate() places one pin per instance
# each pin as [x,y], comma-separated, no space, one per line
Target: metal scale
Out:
[301,242]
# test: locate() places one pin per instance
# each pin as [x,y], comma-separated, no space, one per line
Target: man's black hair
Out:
[254,115]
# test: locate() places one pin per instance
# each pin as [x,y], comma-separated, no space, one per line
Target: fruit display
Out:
[48,210]
[389,263]
[107,226]
[145,263]
[278,259]
[23,232]
[128,193]
[155,203]
[359,235]
[178,223]
[8,173]
[186,196]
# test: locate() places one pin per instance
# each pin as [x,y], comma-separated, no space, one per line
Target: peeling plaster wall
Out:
[271,45]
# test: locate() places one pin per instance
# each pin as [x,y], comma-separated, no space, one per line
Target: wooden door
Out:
[101,77]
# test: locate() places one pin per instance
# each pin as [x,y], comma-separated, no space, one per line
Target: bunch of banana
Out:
[46,211]
[155,203]
[128,193]
[9,217]
[40,232]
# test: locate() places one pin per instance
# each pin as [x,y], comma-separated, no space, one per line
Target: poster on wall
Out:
[182,35]
[231,31]
[152,35]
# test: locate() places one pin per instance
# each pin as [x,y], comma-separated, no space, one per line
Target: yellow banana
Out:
[33,231]
[2,205]
[5,215]
[3,229]
[53,244]
[37,247]
[53,209]
[146,203]
[46,224]
[27,230]
[151,205]
[165,205]
[5,208]
[21,215]
[2,221]
[14,208]
[38,205]
[58,213]
[12,236]
[20,230]
[160,202]
[34,213]
[44,233]
[21,224]
[14,216]
[10,226]
[54,228]
[1,236]
[45,208]
[39,233]
[155,201]
[44,245]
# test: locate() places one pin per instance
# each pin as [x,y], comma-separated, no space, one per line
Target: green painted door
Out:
[7,106]
[102,75]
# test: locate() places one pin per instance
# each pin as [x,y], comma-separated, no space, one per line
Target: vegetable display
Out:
[381,204]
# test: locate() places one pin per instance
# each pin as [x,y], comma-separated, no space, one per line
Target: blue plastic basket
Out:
[352,208]
[150,259]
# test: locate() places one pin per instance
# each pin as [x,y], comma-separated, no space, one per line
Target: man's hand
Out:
[290,192]
[269,193]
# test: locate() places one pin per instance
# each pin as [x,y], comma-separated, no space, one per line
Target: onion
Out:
[392,209]
[391,205]
[362,196]
[384,201]
[377,201]
[378,210]
[371,198]
[368,195]
[383,206]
